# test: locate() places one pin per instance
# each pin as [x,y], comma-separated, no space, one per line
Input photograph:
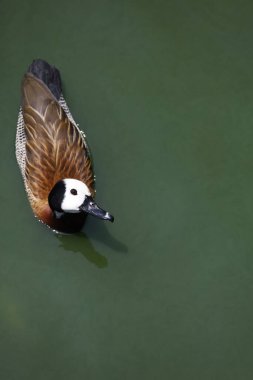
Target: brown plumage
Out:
[55,148]
[53,154]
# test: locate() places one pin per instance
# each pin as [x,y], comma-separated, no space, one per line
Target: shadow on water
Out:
[80,243]
[99,232]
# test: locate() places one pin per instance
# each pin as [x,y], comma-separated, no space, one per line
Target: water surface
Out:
[163,91]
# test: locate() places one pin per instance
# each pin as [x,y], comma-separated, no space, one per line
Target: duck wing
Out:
[55,148]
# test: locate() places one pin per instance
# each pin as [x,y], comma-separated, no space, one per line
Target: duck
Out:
[53,154]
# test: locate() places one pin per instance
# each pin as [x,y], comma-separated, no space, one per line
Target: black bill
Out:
[92,208]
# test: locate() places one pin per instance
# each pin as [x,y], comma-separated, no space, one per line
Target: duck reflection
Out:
[80,243]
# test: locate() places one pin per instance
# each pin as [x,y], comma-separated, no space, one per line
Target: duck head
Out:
[73,196]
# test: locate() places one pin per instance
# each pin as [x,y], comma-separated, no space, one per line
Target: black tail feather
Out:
[48,74]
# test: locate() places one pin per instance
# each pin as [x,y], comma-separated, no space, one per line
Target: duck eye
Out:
[73,191]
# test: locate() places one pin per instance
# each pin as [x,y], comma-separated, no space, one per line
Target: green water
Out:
[164,92]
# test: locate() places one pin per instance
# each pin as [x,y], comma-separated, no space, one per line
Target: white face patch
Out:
[75,194]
